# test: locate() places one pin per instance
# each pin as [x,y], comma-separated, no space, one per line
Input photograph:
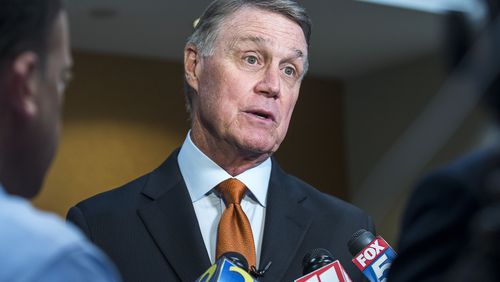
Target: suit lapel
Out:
[286,224]
[171,221]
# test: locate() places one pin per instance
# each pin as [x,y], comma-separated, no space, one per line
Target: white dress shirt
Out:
[201,175]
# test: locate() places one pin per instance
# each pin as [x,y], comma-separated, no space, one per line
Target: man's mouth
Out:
[262,114]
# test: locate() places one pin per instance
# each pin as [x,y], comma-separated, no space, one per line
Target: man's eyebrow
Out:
[259,40]
[298,53]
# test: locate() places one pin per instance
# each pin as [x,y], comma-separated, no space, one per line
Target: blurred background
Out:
[374,69]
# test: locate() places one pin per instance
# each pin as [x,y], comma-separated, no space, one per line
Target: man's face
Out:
[248,88]
[50,83]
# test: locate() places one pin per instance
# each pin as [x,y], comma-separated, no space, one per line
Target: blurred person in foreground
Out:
[451,226]
[243,67]
[35,65]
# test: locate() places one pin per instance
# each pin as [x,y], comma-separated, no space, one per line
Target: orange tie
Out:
[234,233]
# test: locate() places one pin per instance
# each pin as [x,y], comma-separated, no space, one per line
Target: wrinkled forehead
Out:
[250,24]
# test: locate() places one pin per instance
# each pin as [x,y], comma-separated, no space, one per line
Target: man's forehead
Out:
[250,20]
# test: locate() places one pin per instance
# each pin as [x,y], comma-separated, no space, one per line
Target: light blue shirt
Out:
[201,175]
[39,246]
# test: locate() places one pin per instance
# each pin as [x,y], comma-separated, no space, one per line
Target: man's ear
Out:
[22,84]
[191,65]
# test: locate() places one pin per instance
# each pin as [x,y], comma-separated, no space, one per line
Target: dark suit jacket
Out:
[437,224]
[148,227]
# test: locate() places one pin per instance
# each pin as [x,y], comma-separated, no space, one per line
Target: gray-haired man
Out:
[244,65]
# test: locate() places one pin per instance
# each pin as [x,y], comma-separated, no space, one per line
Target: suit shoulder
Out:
[115,197]
[452,191]
[324,203]
[133,194]
[470,168]
[465,176]
[329,214]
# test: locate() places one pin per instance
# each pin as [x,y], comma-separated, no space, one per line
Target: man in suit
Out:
[440,228]
[35,64]
[243,64]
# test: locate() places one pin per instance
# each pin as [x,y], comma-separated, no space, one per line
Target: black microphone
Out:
[315,259]
[230,266]
[237,259]
[359,240]
[319,265]
[240,261]
[372,255]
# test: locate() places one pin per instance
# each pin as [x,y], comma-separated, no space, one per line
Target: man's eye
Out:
[289,71]
[252,60]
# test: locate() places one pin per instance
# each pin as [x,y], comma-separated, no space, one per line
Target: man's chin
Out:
[259,149]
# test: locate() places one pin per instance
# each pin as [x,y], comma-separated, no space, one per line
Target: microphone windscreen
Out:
[359,241]
[316,259]
[238,259]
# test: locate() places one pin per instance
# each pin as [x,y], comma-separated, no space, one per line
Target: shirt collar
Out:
[201,174]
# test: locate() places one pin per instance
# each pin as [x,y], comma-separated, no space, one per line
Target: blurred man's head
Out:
[35,66]
[244,65]
[492,96]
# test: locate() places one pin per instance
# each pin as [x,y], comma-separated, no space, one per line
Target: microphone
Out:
[372,255]
[319,266]
[230,267]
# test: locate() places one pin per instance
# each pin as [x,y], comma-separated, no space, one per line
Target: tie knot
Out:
[232,190]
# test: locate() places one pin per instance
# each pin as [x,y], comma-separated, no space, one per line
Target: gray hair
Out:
[208,27]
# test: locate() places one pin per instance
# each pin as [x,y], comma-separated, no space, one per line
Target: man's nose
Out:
[270,83]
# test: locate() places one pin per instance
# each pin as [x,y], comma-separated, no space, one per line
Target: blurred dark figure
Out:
[451,226]
[35,64]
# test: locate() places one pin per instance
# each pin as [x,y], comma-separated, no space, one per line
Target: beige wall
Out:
[313,149]
[124,115]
